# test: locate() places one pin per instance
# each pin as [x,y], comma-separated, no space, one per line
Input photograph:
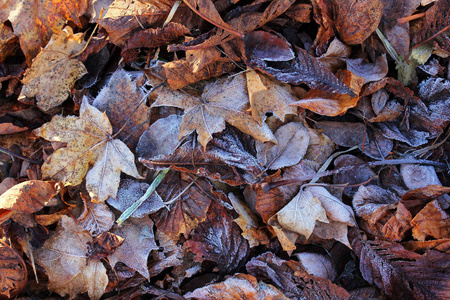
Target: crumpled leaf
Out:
[267,95]
[139,241]
[301,68]
[369,71]
[401,273]
[129,192]
[301,213]
[96,218]
[9,42]
[122,102]
[54,72]
[13,271]
[35,22]
[290,277]
[247,220]
[433,221]
[89,141]
[240,286]
[219,239]
[65,259]
[220,101]
[293,141]
[332,104]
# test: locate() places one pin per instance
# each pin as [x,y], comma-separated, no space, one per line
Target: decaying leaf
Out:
[89,140]
[240,286]
[317,264]
[220,101]
[54,71]
[293,141]
[13,271]
[65,258]
[96,218]
[139,241]
[247,221]
[433,221]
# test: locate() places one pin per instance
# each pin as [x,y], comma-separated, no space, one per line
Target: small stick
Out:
[21,157]
[267,186]
[410,18]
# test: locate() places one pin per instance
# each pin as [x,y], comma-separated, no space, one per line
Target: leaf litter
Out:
[211,149]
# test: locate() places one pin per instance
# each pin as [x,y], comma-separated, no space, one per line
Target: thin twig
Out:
[267,186]
[38,162]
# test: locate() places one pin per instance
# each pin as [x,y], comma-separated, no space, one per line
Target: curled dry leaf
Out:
[13,271]
[317,264]
[89,141]
[330,103]
[240,286]
[433,221]
[139,241]
[26,198]
[247,221]
[69,268]
[223,100]
[32,24]
[290,277]
[54,71]
[293,141]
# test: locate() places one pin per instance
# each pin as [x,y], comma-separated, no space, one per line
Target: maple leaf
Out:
[69,268]
[89,141]
[53,72]
[222,100]
[34,22]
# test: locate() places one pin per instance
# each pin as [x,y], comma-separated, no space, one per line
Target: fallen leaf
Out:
[247,220]
[293,141]
[369,71]
[396,227]
[89,140]
[54,72]
[267,95]
[417,176]
[301,213]
[356,176]
[401,273]
[9,42]
[356,21]
[96,218]
[433,221]
[200,58]
[347,134]
[139,241]
[317,264]
[301,68]
[220,101]
[240,286]
[13,272]
[290,277]
[131,114]
[65,259]
[332,104]
[219,239]
[34,23]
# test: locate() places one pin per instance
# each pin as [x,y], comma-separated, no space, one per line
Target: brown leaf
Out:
[65,259]
[27,197]
[9,42]
[223,100]
[228,157]
[240,286]
[200,58]
[267,95]
[433,221]
[420,247]
[290,277]
[415,199]
[179,73]
[403,274]
[247,221]
[396,227]
[219,239]
[369,71]
[131,114]
[355,21]
[189,203]
[89,141]
[356,176]
[347,134]
[35,22]
[139,241]
[54,72]
[294,70]
[13,272]
[207,10]
[96,218]
[330,103]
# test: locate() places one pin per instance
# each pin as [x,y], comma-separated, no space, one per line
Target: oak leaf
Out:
[89,141]
[222,100]
[54,72]
[69,267]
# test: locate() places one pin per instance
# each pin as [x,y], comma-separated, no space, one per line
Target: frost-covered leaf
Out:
[96,218]
[247,221]
[317,264]
[89,141]
[54,71]
[293,141]
[139,241]
[65,259]
[417,176]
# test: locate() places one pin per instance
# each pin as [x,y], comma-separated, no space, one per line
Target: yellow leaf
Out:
[89,141]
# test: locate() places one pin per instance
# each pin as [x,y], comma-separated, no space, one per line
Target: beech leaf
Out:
[89,141]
